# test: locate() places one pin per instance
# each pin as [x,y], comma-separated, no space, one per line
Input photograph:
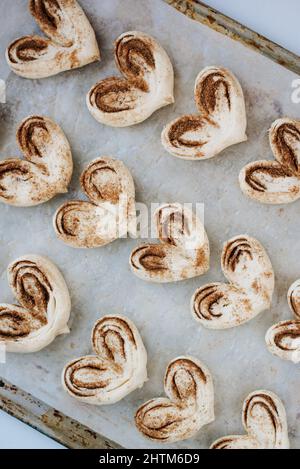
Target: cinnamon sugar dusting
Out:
[12,167]
[68,42]
[110,209]
[134,57]
[264,419]
[268,405]
[180,415]
[234,251]
[45,11]
[295,301]
[282,140]
[32,289]
[31,285]
[253,172]
[107,376]
[201,258]
[223,444]
[27,49]
[13,324]
[152,258]
[120,324]
[204,301]
[113,95]
[189,367]
[276,182]
[182,126]
[183,251]
[287,332]
[249,291]
[101,181]
[26,134]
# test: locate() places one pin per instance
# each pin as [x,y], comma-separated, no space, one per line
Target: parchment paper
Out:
[99,280]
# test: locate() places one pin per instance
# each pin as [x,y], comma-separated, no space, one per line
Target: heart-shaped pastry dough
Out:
[147,84]
[248,268]
[183,252]
[45,305]
[70,41]
[221,123]
[109,215]
[45,171]
[188,407]
[276,182]
[264,420]
[283,339]
[118,368]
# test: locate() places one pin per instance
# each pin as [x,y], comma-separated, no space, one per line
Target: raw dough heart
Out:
[283,339]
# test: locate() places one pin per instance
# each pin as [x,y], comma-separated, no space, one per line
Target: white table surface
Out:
[276,20]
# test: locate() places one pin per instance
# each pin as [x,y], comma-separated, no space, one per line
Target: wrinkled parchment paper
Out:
[99,280]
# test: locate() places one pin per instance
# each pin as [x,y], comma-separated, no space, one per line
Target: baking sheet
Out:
[99,280]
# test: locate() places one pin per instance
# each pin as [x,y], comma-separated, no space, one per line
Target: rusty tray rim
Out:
[35,413]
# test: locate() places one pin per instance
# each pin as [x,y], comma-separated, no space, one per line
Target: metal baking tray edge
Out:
[204,14]
[32,411]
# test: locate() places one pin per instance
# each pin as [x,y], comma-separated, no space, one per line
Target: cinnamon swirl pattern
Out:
[70,41]
[221,121]
[264,419]
[283,339]
[46,169]
[183,251]
[248,268]
[276,182]
[117,369]
[110,213]
[147,83]
[188,407]
[44,307]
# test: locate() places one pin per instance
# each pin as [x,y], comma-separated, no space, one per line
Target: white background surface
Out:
[274,19]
